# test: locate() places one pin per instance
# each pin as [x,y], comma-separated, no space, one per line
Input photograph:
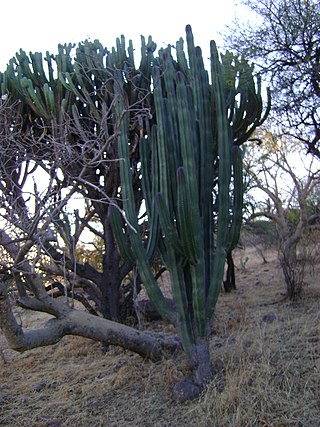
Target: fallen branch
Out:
[75,322]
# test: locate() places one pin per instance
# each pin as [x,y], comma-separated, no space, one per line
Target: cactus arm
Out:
[154,233]
[142,263]
[35,96]
[37,65]
[69,85]
[154,226]
[150,189]
[146,168]
[188,137]
[48,59]
[181,58]
[172,132]
[181,301]
[161,139]
[224,176]
[184,218]
[24,64]
[172,238]
[238,190]
[123,245]
[147,50]
[131,56]
[49,99]
[249,115]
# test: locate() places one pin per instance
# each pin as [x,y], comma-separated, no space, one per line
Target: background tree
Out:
[286,194]
[283,39]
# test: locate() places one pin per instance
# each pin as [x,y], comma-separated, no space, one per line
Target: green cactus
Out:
[195,151]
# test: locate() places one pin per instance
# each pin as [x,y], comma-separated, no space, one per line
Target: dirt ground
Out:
[265,352]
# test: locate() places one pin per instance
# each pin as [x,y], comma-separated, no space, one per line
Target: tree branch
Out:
[76,322]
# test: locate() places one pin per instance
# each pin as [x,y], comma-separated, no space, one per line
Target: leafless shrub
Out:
[285,199]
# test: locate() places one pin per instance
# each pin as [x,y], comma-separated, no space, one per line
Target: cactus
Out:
[195,152]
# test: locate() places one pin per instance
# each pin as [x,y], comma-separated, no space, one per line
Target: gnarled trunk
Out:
[201,362]
[75,322]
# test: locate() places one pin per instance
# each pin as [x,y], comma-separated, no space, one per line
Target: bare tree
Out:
[285,191]
[282,39]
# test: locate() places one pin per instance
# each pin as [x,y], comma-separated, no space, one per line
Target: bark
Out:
[102,286]
[201,362]
[293,270]
[114,270]
[75,322]
[230,282]
[59,290]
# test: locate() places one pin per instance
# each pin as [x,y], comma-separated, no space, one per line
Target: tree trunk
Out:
[201,362]
[114,271]
[109,286]
[293,271]
[75,322]
[186,390]
[230,282]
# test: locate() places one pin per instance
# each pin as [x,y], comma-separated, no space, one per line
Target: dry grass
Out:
[265,350]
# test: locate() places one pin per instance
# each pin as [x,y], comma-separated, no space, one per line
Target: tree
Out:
[283,40]
[287,200]
[61,122]
[92,121]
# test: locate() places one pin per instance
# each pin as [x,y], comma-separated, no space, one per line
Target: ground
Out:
[265,351]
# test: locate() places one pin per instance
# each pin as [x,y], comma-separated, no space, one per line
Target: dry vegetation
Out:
[266,352]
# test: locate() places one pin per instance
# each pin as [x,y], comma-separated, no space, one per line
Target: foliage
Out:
[260,234]
[243,263]
[261,227]
[91,254]
[282,38]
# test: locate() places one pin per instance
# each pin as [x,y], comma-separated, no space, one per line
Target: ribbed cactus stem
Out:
[238,191]
[138,249]
[224,143]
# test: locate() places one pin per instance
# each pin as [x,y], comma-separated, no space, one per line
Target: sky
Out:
[39,25]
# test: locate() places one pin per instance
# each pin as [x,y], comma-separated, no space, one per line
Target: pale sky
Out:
[39,25]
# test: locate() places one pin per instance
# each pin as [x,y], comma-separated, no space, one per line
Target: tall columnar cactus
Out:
[195,152]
